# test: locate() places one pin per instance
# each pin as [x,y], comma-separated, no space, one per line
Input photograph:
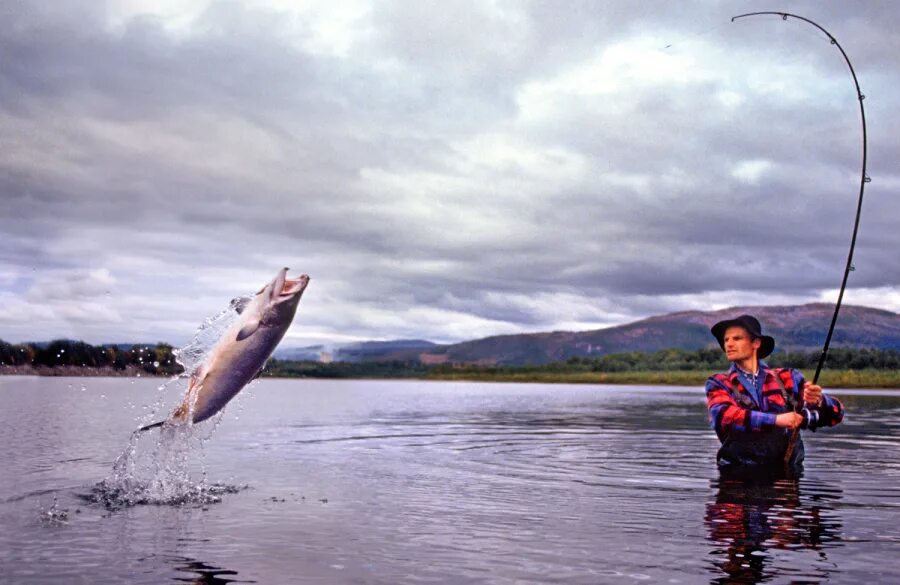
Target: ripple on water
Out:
[163,467]
[499,485]
[125,494]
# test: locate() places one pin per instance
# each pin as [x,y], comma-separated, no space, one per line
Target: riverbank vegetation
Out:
[830,378]
[846,367]
[158,360]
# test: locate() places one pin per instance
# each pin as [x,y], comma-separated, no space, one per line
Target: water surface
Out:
[437,482]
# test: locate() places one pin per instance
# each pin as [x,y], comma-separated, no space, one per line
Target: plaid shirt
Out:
[733,407]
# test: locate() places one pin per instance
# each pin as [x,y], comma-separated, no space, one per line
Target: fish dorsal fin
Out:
[247,330]
[239,304]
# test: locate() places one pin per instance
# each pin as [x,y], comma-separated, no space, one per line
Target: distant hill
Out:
[310,352]
[383,350]
[360,351]
[795,327]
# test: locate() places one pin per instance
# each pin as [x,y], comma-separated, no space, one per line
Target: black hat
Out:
[752,326]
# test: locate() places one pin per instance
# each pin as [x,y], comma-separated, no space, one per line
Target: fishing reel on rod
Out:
[810,419]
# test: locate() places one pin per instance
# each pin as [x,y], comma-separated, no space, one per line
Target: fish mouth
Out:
[293,286]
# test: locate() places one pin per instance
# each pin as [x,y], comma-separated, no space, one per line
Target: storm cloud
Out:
[442,171]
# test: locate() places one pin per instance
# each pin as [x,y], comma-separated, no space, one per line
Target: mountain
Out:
[382,350]
[795,327]
[359,351]
[308,353]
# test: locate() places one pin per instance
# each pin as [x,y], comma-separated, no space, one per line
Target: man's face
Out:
[739,345]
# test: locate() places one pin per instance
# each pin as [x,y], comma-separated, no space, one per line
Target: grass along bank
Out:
[867,378]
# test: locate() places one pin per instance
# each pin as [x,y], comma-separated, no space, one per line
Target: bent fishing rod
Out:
[864,178]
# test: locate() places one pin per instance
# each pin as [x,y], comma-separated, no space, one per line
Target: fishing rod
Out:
[864,178]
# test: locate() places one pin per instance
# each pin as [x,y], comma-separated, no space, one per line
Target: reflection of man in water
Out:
[754,408]
[752,518]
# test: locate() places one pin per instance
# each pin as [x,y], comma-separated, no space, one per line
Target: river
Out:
[318,481]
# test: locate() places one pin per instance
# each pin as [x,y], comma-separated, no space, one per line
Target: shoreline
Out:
[850,379]
[75,371]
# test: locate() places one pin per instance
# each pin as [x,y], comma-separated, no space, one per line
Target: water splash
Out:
[162,468]
[156,467]
[54,515]
[192,355]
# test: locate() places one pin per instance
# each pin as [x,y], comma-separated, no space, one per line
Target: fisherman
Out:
[754,409]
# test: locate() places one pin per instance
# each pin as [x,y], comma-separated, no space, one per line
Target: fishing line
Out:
[691,36]
[864,178]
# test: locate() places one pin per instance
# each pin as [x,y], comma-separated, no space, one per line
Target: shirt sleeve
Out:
[831,411]
[799,383]
[727,416]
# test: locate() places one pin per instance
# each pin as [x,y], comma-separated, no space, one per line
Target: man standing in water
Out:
[755,409]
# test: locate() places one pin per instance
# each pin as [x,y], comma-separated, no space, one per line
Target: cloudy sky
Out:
[442,170]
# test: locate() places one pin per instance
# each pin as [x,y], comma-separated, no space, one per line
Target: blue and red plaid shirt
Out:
[735,405]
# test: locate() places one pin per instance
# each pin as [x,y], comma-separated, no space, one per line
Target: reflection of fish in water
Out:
[204,574]
[241,353]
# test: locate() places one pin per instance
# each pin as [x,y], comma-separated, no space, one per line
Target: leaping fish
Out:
[241,353]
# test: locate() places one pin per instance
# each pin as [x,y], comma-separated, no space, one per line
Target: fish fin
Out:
[259,373]
[239,304]
[247,330]
[151,426]
[181,411]
[196,377]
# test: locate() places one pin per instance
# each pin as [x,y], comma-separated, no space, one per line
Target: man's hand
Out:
[812,395]
[789,420]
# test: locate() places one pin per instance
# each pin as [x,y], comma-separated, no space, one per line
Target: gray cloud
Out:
[444,172]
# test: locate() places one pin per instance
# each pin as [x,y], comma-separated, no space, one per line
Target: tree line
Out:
[713,359]
[159,359]
[156,359]
[309,369]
